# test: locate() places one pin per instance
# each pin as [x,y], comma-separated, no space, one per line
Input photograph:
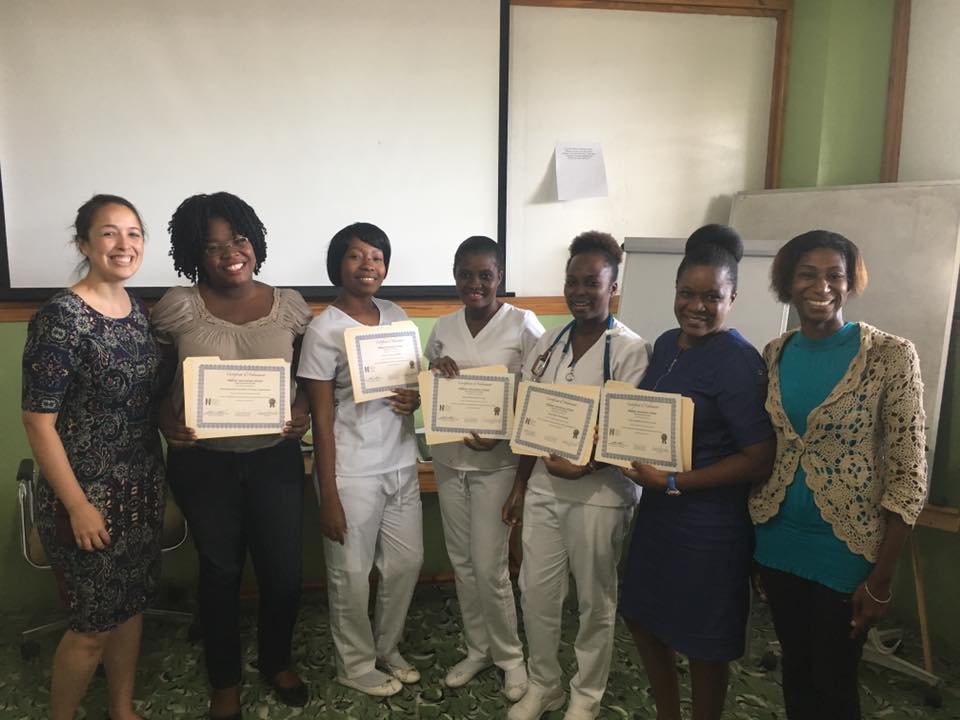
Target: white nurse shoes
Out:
[578,712]
[536,702]
[465,671]
[373,683]
[398,666]
[515,683]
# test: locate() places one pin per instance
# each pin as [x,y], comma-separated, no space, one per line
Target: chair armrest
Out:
[25,471]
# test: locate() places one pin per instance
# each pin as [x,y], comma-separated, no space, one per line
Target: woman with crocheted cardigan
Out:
[846,402]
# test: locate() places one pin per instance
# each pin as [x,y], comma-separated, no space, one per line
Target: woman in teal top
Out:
[849,480]
[797,539]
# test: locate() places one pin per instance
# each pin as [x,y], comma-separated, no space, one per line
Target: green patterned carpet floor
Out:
[171,683]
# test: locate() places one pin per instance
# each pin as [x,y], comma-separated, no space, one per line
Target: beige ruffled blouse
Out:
[181,318]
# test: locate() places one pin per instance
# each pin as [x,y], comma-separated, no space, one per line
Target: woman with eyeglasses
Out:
[238,494]
[574,517]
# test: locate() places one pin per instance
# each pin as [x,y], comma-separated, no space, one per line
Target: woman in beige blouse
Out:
[241,493]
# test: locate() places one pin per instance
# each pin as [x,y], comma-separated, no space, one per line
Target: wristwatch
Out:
[672,485]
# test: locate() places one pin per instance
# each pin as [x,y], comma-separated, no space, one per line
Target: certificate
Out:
[383,358]
[229,398]
[478,400]
[557,419]
[651,427]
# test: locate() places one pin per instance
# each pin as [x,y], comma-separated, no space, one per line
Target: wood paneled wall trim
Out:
[896,90]
[739,7]
[426,308]
[779,10]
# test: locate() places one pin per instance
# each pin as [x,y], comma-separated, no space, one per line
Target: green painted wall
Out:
[833,135]
[836,92]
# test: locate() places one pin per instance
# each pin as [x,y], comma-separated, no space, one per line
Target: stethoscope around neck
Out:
[541,363]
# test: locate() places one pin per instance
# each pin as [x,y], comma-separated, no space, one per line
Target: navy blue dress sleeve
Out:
[742,384]
[49,359]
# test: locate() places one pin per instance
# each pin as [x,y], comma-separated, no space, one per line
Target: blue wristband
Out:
[672,485]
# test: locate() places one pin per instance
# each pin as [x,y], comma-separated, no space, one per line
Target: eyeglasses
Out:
[239,242]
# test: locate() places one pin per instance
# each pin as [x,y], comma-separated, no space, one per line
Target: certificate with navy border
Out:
[555,419]
[643,426]
[232,398]
[476,401]
[383,358]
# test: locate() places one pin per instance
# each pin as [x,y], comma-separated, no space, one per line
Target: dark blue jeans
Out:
[820,660]
[235,502]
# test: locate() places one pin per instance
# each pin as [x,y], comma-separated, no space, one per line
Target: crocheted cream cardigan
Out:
[864,446]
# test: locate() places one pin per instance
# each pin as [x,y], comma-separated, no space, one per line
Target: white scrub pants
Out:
[477,542]
[385,529]
[560,538]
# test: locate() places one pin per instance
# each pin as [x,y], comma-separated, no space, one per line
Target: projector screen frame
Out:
[328,292]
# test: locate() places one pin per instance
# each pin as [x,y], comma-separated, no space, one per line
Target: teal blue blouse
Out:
[798,540]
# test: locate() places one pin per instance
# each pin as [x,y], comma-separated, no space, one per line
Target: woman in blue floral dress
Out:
[89,379]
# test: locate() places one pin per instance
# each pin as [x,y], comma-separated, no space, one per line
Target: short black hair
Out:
[190,226]
[362,231]
[715,246]
[478,245]
[785,263]
[594,241]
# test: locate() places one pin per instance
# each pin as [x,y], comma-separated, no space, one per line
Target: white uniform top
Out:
[370,437]
[505,340]
[629,356]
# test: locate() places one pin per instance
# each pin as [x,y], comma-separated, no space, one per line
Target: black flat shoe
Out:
[294,696]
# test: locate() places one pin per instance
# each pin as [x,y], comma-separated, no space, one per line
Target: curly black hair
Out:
[594,241]
[190,225]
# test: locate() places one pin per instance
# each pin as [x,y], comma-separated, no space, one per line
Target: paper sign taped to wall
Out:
[580,171]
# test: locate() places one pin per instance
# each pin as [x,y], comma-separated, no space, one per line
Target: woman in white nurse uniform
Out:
[475,477]
[366,472]
[575,518]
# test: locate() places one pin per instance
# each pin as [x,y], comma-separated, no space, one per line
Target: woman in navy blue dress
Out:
[686,584]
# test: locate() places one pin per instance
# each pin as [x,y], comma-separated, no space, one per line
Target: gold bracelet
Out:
[874,597]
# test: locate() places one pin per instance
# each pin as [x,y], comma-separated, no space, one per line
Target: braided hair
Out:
[190,224]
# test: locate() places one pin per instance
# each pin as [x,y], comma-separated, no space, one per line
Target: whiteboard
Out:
[649,280]
[319,113]
[680,103]
[908,234]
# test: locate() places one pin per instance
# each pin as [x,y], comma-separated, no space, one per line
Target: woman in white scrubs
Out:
[574,518]
[366,474]
[475,477]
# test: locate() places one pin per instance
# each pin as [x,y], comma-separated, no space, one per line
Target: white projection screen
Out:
[318,113]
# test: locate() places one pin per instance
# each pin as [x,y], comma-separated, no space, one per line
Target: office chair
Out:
[173,535]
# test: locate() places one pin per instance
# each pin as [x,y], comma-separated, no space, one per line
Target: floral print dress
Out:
[100,375]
